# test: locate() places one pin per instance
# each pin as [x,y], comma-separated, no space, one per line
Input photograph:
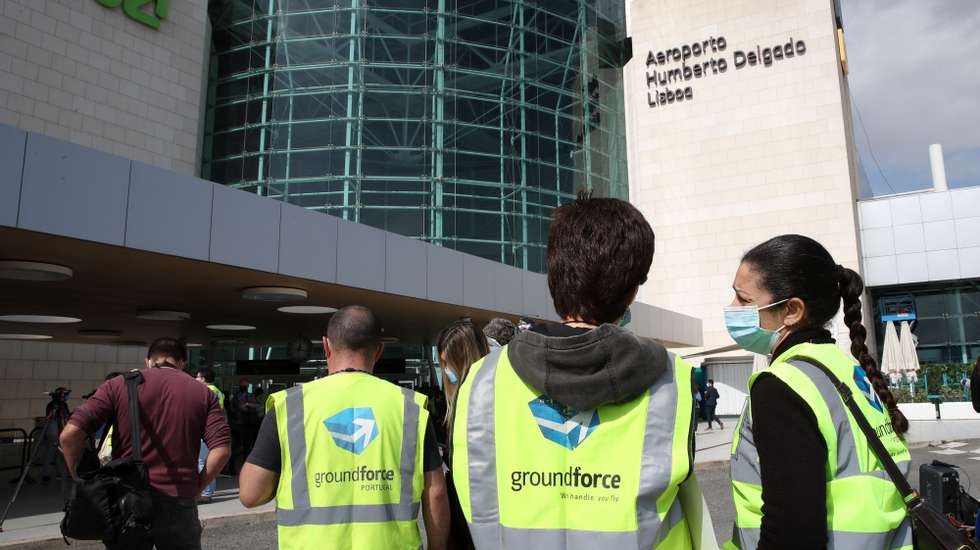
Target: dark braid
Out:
[851,289]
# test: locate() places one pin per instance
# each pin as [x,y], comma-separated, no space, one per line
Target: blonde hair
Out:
[460,345]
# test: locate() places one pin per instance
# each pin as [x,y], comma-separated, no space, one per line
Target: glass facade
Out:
[459,122]
[947,319]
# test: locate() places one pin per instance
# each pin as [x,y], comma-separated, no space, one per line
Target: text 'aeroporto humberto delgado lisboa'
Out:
[666,84]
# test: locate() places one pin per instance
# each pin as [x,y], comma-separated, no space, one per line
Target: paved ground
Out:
[964,454]
[260,533]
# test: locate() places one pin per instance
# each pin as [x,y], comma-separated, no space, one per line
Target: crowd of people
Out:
[572,434]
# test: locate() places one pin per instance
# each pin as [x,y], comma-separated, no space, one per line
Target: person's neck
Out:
[577,323]
[349,367]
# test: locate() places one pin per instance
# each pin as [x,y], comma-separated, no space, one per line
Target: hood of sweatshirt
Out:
[603,366]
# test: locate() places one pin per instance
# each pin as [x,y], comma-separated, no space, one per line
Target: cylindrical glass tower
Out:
[460,122]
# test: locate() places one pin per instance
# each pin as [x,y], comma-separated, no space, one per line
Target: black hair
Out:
[207,373]
[599,253]
[354,328]
[501,330]
[794,266]
[166,348]
[711,381]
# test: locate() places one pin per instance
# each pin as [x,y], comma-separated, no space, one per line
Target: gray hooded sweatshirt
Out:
[603,366]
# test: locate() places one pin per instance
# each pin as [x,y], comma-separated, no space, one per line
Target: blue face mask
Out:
[743,326]
[453,379]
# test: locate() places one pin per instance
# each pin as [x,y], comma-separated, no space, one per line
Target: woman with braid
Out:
[803,475]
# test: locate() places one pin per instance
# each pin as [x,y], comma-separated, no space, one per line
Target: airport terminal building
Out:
[740,129]
[230,172]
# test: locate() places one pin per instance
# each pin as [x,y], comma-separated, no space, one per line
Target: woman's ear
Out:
[795,312]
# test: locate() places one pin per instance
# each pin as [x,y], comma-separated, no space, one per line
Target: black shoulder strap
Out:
[133,380]
[909,495]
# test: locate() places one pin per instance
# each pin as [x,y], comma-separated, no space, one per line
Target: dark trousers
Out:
[712,417]
[175,526]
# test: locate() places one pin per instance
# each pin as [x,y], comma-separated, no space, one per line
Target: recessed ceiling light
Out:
[274,294]
[162,315]
[389,340]
[24,337]
[308,310]
[33,271]
[192,345]
[230,327]
[52,319]
[99,334]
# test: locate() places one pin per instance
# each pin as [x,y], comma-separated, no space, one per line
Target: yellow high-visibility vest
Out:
[531,473]
[352,472]
[864,509]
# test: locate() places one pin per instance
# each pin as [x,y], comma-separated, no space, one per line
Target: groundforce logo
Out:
[573,478]
[353,429]
[353,476]
[864,384]
[563,425]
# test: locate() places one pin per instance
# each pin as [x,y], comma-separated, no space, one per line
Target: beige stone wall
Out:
[29,369]
[758,151]
[75,70]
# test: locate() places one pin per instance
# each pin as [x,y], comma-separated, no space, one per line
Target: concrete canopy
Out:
[139,237]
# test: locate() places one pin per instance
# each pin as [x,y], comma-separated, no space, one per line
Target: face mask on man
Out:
[744,327]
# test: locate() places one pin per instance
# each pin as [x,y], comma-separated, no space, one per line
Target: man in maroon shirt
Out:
[176,413]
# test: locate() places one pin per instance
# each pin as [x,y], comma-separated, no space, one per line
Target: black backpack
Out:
[113,503]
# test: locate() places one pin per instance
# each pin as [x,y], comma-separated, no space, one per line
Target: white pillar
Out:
[938,167]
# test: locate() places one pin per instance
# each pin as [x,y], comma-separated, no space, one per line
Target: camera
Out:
[59,394]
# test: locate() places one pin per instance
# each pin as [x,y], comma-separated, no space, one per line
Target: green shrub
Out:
[932,373]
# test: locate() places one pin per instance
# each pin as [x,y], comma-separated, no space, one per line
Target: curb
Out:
[711,465]
[58,543]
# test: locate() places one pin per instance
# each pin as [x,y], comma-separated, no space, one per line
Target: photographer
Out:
[56,416]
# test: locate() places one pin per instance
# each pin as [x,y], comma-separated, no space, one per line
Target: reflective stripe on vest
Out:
[655,474]
[900,539]
[747,483]
[304,514]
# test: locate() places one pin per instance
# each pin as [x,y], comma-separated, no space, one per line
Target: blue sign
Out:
[897,308]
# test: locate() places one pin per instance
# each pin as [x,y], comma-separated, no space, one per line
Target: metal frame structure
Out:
[459,122]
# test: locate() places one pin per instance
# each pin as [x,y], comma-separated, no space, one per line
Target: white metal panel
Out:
[731,377]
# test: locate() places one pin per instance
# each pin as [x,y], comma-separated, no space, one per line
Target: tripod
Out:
[27,466]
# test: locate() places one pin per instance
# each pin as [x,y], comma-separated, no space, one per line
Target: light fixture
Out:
[389,340]
[162,315]
[192,345]
[230,327]
[24,337]
[49,319]
[308,310]
[33,271]
[274,294]
[99,334]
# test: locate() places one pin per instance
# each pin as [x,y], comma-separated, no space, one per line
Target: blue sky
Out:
[915,77]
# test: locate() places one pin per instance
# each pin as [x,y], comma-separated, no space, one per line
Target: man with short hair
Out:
[579,434]
[711,397]
[176,413]
[499,332]
[356,454]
